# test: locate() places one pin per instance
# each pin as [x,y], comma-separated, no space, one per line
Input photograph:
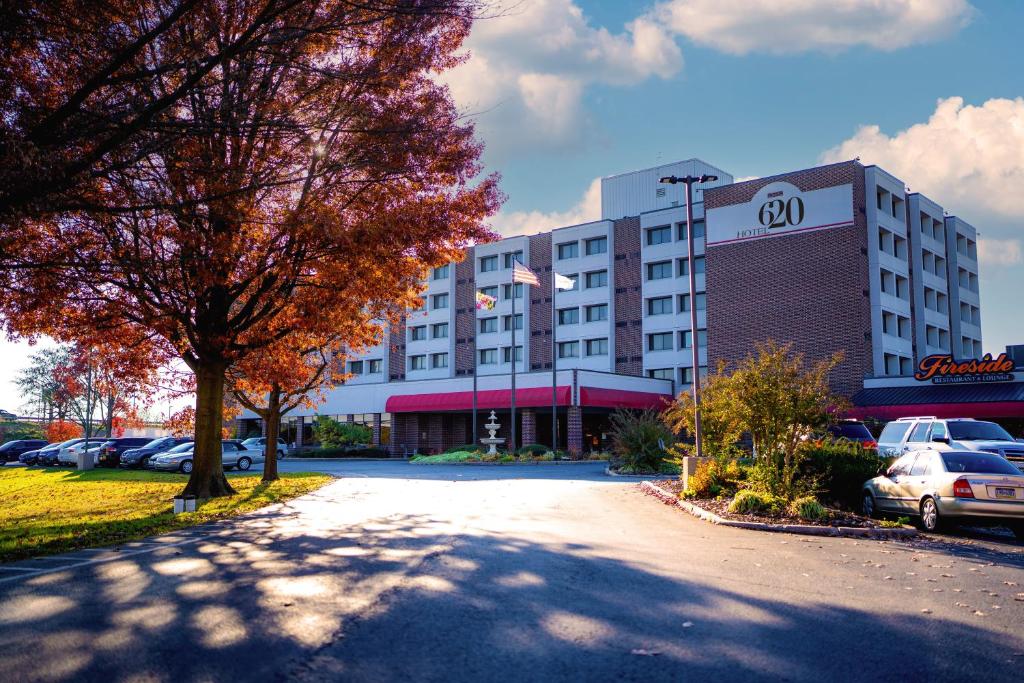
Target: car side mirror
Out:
[940,439]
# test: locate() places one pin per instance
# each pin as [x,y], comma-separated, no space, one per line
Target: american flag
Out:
[521,273]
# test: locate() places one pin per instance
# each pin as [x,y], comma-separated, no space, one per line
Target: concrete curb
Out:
[507,464]
[289,459]
[640,477]
[805,529]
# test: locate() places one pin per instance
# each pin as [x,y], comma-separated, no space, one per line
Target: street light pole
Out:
[689,181]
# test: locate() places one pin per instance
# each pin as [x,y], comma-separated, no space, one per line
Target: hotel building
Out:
[833,258]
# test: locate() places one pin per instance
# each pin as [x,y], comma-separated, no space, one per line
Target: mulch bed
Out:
[838,518]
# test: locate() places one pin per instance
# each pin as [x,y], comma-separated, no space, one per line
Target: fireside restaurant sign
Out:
[942,368]
[781,208]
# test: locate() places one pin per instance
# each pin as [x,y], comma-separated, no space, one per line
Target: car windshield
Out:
[155,443]
[978,431]
[249,442]
[183,448]
[977,463]
[850,430]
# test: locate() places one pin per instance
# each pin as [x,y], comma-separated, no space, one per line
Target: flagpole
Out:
[554,370]
[512,443]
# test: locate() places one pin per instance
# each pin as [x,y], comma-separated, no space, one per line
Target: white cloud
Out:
[993,252]
[588,208]
[529,68]
[784,26]
[968,158]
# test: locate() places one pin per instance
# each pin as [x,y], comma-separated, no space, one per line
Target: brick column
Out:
[263,427]
[575,431]
[300,422]
[529,426]
[375,440]
[435,432]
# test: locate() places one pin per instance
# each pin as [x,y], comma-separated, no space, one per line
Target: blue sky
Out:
[566,91]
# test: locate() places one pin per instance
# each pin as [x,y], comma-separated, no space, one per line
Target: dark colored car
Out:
[136,458]
[46,455]
[852,430]
[12,450]
[110,451]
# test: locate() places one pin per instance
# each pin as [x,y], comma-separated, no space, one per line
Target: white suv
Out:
[965,434]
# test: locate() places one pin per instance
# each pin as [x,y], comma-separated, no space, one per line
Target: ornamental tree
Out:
[320,169]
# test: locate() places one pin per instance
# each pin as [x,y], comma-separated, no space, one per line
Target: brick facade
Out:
[628,298]
[396,350]
[529,425]
[540,304]
[465,314]
[575,436]
[810,289]
[376,427]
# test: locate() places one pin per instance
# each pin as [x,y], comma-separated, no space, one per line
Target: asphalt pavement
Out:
[535,573]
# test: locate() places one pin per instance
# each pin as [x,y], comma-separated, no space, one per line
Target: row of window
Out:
[591,347]
[490,356]
[437,361]
[933,263]
[662,305]
[968,280]
[437,331]
[374,366]
[685,374]
[970,314]
[896,325]
[937,337]
[965,246]
[933,227]
[892,244]
[491,324]
[490,263]
[659,270]
[971,348]
[889,203]
[591,247]
[935,300]
[895,285]
[662,234]
[897,365]
[666,341]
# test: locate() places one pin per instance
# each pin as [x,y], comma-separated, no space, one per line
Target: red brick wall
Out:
[540,302]
[465,314]
[810,289]
[396,353]
[628,297]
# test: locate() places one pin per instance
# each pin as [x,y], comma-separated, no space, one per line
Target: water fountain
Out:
[492,428]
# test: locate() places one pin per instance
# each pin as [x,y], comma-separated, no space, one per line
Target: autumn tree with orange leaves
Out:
[322,169]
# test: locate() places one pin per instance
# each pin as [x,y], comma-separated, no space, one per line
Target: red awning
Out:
[987,409]
[535,397]
[485,400]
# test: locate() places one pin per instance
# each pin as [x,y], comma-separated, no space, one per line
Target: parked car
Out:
[68,455]
[916,433]
[108,453]
[46,455]
[948,486]
[852,430]
[10,451]
[259,443]
[137,457]
[179,459]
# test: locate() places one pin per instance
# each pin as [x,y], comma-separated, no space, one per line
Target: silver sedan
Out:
[950,486]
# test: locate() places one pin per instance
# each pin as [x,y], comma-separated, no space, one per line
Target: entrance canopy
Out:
[528,397]
[974,400]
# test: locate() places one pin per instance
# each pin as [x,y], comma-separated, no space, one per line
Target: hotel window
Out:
[439,331]
[575,282]
[659,235]
[698,230]
[597,313]
[897,207]
[488,325]
[659,270]
[491,291]
[597,347]
[661,305]
[506,322]
[902,287]
[417,362]
[418,333]
[569,349]
[568,316]
[439,301]
[682,267]
[698,265]
[488,356]
[376,366]
[685,336]
[488,263]
[660,373]
[568,250]
[686,374]
[660,341]
[438,360]
[509,258]
[506,354]
[596,245]
[598,278]
[702,302]
[356,367]
[506,291]
[441,273]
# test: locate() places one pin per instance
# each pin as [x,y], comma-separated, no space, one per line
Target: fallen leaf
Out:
[978,613]
[926,611]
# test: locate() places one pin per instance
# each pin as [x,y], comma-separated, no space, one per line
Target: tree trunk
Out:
[109,421]
[207,479]
[273,420]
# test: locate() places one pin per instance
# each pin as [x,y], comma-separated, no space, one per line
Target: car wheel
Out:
[185,467]
[868,505]
[244,464]
[930,520]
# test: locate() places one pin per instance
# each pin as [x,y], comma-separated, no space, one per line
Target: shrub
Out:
[714,477]
[339,452]
[639,439]
[838,470]
[807,507]
[897,523]
[533,449]
[748,502]
[457,456]
[331,433]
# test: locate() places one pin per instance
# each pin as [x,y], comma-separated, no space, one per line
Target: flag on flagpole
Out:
[485,302]
[563,282]
[521,273]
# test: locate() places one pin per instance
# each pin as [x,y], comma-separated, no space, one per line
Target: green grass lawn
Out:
[46,511]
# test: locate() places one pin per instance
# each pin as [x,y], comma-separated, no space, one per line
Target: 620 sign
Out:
[779,213]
